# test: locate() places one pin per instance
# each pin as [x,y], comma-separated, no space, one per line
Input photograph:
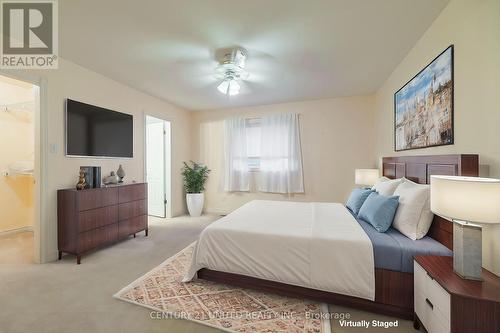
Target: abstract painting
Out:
[423,107]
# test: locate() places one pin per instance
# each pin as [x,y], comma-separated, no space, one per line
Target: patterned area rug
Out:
[221,306]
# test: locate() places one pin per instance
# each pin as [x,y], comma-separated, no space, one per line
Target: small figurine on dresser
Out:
[111,179]
[120,173]
[81,181]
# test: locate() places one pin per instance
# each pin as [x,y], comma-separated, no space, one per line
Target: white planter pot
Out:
[195,203]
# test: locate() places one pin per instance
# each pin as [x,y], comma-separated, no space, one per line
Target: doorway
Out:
[19,107]
[158,166]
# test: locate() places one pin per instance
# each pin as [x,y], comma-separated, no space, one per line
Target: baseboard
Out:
[16,231]
[52,255]
[215,212]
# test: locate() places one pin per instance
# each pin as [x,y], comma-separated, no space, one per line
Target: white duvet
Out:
[313,245]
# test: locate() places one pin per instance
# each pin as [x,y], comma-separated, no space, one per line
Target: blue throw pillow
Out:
[358,196]
[379,211]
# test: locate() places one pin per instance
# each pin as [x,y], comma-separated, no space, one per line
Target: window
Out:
[269,145]
[253,132]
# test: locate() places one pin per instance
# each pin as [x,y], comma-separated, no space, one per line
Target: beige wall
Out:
[75,82]
[16,144]
[474,28]
[336,137]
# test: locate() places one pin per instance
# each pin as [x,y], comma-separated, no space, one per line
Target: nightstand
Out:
[445,303]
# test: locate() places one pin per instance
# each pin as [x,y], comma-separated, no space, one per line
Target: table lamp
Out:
[468,202]
[366,177]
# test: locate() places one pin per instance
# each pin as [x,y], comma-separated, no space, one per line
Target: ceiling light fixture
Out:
[229,87]
[231,69]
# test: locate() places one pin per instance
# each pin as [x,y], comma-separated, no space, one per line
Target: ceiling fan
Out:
[226,71]
[231,70]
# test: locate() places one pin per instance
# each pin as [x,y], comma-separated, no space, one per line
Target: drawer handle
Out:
[429,303]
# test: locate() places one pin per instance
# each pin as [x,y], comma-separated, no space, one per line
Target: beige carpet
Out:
[64,297]
[221,306]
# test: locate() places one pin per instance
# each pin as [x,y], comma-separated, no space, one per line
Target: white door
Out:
[157,159]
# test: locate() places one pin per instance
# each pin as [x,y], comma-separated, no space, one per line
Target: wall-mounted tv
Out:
[92,131]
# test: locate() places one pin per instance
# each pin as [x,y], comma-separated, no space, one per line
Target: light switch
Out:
[53,148]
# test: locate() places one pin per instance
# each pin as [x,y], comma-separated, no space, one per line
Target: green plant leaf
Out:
[195,177]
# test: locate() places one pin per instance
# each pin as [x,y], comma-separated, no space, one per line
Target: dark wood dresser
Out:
[90,219]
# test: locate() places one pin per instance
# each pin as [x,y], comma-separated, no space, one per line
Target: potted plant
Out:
[195,177]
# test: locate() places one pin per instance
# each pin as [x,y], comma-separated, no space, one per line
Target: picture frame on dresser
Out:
[93,218]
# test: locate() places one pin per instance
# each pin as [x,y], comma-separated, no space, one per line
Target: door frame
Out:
[40,221]
[168,191]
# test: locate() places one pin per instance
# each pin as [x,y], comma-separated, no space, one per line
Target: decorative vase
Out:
[81,181]
[111,179]
[195,203]
[120,173]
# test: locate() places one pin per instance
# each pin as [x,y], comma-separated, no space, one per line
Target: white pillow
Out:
[413,217]
[386,186]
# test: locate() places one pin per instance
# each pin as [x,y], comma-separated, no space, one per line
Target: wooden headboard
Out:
[420,168]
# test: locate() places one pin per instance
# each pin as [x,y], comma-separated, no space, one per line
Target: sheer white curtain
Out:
[280,155]
[236,174]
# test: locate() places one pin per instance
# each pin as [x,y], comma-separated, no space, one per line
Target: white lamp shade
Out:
[229,87]
[470,199]
[366,176]
[223,86]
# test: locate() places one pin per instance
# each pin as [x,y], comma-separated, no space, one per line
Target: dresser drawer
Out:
[432,302]
[132,209]
[420,278]
[428,315]
[97,237]
[132,192]
[440,299]
[95,218]
[96,198]
[133,225]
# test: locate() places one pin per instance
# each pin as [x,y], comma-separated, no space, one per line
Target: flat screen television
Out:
[92,131]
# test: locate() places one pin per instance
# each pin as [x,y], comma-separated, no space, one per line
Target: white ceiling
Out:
[298,50]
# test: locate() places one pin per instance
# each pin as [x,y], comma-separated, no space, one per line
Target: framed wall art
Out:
[423,107]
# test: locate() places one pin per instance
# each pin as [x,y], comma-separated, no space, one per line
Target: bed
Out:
[294,239]
[394,251]
[301,253]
